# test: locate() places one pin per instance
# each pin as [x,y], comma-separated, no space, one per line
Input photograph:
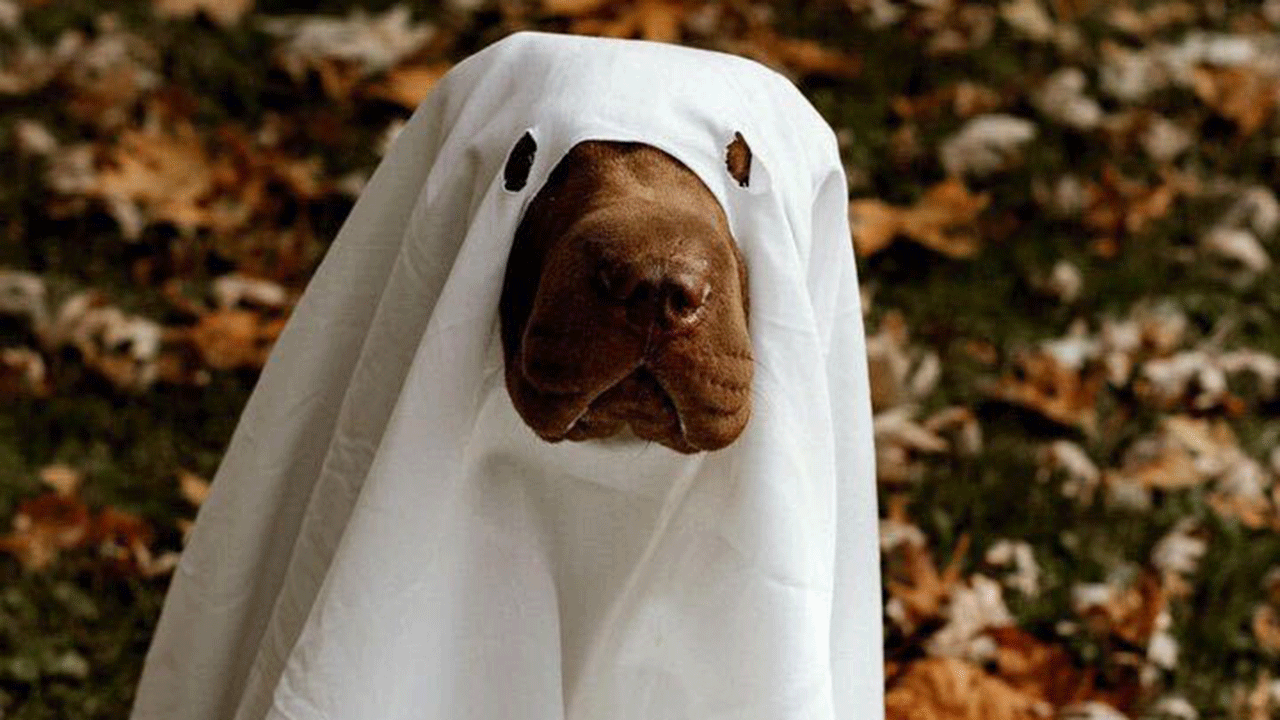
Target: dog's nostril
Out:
[683,299]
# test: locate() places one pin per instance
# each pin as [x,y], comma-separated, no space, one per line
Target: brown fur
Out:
[625,304]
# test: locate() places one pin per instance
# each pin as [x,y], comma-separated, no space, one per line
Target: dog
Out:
[624,304]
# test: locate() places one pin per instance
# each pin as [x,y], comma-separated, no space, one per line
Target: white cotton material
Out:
[386,540]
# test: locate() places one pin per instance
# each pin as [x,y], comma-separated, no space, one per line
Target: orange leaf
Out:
[1057,392]
[573,8]
[43,527]
[407,85]
[1246,96]
[231,338]
[660,20]
[952,689]
[223,12]
[942,220]
[194,489]
[1266,628]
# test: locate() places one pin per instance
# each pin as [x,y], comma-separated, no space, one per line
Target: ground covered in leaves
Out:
[1065,215]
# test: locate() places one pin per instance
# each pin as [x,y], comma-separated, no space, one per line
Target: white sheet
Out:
[385,540]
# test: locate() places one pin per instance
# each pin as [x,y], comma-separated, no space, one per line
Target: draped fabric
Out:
[385,540]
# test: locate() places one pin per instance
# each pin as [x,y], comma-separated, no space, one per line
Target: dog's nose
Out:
[656,294]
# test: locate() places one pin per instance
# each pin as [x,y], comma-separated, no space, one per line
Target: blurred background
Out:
[1065,217]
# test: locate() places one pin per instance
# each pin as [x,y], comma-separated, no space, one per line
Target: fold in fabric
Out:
[385,540]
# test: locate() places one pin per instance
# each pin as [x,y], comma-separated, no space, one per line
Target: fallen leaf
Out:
[23,295]
[1039,669]
[238,290]
[899,374]
[63,479]
[45,526]
[1118,206]
[986,144]
[194,489]
[943,220]
[800,56]
[1177,556]
[917,586]
[1082,475]
[1019,558]
[1149,19]
[157,175]
[1129,610]
[973,607]
[1240,247]
[1092,710]
[573,8]
[952,689]
[223,12]
[119,346]
[1046,386]
[1062,98]
[230,339]
[407,85]
[343,51]
[123,541]
[1246,96]
[23,373]
[33,138]
[1266,628]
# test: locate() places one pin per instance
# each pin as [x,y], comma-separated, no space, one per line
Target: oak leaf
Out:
[951,689]
[942,220]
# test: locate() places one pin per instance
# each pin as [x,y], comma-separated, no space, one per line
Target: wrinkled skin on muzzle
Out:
[624,305]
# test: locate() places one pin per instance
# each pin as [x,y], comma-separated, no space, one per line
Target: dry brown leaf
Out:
[344,50]
[115,344]
[116,534]
[942,220]
[914,581]
[655,20]
[107,74]
[660,20]
[153,174]
[123,541]
[64,479]
[1246,96]
[223,12]
[800,56]
[1117,206]
[229,339]
[573,8]
[1057,392]
[1266,628]
[1129,612]
[1152,18]
[23,373]
[963,99]
[951,689]
[194,488]
[407,85]
[1039,669]
[43,527]
[1260,700]
[1255,513]
[1072,10]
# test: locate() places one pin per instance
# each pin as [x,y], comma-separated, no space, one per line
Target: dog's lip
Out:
[586,402]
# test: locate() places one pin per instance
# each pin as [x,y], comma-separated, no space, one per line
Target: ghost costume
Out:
[386,540]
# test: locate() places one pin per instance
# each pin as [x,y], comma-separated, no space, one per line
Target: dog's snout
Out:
[665,296]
